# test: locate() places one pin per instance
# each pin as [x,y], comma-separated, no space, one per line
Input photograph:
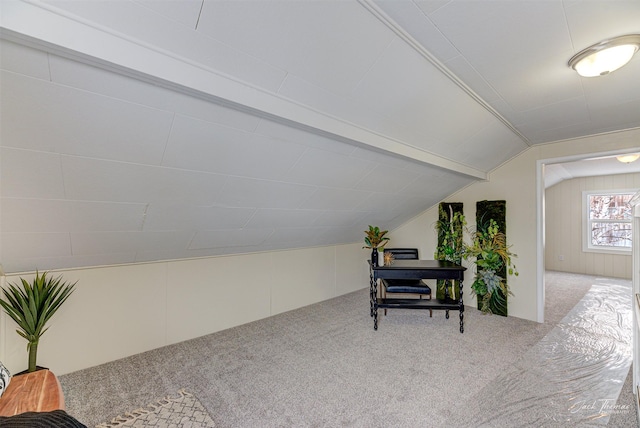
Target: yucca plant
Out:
[32,305]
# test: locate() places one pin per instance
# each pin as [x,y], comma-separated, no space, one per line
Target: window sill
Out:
[608,251]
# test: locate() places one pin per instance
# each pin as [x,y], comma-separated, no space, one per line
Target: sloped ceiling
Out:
[142,130]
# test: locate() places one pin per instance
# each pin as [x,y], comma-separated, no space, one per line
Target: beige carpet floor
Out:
[325,366]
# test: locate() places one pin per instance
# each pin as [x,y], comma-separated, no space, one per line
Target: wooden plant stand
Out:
[38,391]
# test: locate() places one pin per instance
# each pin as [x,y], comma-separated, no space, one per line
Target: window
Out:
[608,218]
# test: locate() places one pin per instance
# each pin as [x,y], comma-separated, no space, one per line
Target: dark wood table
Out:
[416,269]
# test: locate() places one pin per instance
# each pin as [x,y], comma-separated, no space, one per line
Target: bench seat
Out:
[414,286]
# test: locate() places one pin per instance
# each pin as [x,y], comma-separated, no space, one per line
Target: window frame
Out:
[587,246]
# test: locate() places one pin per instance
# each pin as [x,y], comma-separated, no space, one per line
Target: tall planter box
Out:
[497,211]
[445,214]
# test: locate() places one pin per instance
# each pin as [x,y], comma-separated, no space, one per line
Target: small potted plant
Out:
[32,305]
[375,239]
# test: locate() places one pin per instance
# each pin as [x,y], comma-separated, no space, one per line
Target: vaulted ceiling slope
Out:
[147,130]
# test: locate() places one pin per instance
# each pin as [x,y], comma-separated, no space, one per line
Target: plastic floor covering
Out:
[575,372]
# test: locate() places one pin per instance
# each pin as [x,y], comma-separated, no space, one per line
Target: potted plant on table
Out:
[32,305]
[375,239]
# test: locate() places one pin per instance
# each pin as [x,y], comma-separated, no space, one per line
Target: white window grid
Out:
[624,244]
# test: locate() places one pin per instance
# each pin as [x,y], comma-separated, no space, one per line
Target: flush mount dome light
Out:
[605,57]
[628,158]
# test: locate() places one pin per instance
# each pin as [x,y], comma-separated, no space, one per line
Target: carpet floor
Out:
[325,366]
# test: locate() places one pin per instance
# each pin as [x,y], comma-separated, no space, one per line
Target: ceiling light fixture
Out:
[606,56]
[628,158]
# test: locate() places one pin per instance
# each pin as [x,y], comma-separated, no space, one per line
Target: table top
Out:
[404,264]
[37,391]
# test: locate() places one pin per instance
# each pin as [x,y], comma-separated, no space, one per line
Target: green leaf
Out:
[31,305]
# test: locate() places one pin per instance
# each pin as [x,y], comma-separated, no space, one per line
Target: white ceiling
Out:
[608,165]
[145,130]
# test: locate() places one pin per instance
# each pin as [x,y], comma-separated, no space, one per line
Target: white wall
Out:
[564,233]
[515,182]
[124,310]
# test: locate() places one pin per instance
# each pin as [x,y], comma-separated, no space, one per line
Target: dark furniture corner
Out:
[411,269]
[403,253]
[405,286]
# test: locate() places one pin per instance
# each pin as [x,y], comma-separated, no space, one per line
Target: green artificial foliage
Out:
[32,305]
[450,228]
[374,237]
[492,256]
